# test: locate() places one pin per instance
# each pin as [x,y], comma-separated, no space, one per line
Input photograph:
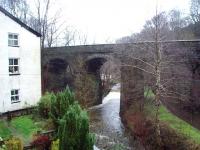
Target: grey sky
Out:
[107,20]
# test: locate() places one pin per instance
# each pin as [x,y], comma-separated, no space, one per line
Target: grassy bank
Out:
[179,125]
[175,133]
[170,119]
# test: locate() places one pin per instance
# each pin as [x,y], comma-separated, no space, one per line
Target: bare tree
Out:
[110,74]
[195,10]
[177,24]
[69,37]
[48,24]
[176,20]
[18,8]
[158,59]
[54,31]
[82,39]
[42,18]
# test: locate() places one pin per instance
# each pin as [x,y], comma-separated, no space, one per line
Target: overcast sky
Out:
[106,20]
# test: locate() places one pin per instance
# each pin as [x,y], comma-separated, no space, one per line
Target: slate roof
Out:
[19,22]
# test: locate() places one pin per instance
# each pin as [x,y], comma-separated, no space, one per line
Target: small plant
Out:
[55,145]
[74,130]
[14,144]
[41,142]
[44,105]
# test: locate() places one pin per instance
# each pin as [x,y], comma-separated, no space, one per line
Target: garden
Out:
[57,122]
[24,127]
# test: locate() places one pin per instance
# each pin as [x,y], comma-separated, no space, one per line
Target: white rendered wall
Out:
[28,52]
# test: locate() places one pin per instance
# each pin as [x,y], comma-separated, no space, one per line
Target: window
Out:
[13,39]
[15,96]
[13,66]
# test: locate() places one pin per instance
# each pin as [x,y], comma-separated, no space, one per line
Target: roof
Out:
[19,22]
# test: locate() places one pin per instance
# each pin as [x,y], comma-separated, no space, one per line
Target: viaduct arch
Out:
[60,63]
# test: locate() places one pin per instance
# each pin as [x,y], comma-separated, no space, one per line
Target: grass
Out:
[4,130]
[179,125]
[148,93]
[173,121]
[23,127]
[118,147]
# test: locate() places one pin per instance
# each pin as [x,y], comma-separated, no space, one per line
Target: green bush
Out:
[71,122]
[74,130]
[44,105]
[60,104]
[14,144]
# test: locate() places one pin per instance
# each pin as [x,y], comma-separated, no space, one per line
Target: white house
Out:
[20,64]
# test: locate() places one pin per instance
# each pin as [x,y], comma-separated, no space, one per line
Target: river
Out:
[106,123]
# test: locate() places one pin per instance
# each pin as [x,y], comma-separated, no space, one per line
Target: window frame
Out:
[11,41]
[13,65]
[15,95]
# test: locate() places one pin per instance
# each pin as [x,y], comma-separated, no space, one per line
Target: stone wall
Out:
[63,66]
[180,69]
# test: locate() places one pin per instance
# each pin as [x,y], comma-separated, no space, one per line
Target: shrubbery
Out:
[14,143]
[44,105]
[74,130]
[70,120]
[42,142]
[60,103]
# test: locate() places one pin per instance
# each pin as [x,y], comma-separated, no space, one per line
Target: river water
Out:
[106,123]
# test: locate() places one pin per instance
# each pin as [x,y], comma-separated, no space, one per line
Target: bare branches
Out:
[195,10]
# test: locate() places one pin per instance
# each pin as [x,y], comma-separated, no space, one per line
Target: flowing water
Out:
[106,123]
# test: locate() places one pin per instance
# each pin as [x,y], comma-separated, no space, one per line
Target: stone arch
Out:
[57,74]
[57,65]
[93,66]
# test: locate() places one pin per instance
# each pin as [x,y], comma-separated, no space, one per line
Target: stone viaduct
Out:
[181,58]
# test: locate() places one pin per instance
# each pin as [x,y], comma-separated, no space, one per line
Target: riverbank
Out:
[106,123]
[174,132]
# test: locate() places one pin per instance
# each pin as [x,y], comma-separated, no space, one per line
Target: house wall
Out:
[28,52]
